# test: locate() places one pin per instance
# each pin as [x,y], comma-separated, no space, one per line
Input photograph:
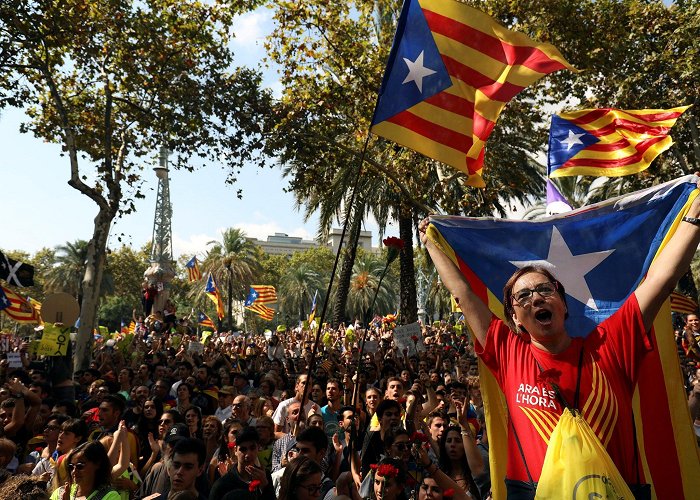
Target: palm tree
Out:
[68,271]
[297,288]
[232,261]
[366,273]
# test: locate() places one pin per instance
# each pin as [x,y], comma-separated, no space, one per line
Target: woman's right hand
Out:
[153,443]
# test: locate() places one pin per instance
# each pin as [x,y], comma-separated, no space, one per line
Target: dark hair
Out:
[117,401]
[59,417]
[387,404]
[191,445]
[177,416]
[446,465]
[314,435]
[398,464]
[95,452]
[391,435]
[246,435]
[189,388]
[186,364]
[296,472]
[70,405]
[508,309]
[343,409]
[77,426]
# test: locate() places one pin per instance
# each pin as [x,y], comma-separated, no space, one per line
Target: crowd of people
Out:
[163,416]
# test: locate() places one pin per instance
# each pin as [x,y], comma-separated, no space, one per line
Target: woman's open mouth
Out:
[543,316]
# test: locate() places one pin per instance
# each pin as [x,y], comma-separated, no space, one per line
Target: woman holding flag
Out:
[542,370]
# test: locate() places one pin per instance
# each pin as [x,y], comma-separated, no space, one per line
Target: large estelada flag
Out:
[683,304]
[608,142]
[212,292]
[18,308]
[600,254]
[451,71]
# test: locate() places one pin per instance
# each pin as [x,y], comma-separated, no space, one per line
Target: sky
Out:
[42,210]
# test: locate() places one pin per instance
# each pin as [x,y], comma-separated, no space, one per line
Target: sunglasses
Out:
[77,466]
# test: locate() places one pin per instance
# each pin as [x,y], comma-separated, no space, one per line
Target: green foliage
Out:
[127,267]
[115,309]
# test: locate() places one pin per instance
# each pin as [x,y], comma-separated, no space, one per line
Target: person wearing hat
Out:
[240,382]
[225,399]
[157,481]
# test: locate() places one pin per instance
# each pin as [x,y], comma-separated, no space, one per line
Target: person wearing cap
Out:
[240,382]
[157,480]
[224,409]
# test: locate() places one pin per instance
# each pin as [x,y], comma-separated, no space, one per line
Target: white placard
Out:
[14,360]
[195,346]
[402,338]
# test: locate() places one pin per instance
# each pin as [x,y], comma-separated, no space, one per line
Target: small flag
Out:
[19,308]
[16,273]
[608,142]
[213,293]
[261,294]
[204,320]
[193,272]
[262,310]
[450,73]
[683,304]
[556,203]
[132,327]
[312,314]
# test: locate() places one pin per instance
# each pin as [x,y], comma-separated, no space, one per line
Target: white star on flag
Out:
[572,140]
[569,269]
[416,71]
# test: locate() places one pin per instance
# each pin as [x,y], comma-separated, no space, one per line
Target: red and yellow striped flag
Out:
[266,294]
[451,71]
[609,142]
[683,304]
[20,309]
[263,311]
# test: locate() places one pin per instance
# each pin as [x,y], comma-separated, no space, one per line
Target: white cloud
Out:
[252,27]
[194,244]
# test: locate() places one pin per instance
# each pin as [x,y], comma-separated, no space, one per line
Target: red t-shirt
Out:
[612,354]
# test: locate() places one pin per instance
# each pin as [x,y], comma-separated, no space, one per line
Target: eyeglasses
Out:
[313,489]
[50,428]
[76,466]
[524,297]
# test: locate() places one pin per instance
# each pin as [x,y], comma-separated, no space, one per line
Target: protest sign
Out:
[195,347]
[409,336]
[14,360]
[54,341]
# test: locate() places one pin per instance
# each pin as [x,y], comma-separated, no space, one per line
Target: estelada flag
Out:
[19,309]
[608,142]
[451,71]
[193,272]
[212,292]
[204,320]
[261,294]
[262,310]
[600,253]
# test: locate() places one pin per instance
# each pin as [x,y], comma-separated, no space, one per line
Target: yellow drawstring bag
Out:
[577,465]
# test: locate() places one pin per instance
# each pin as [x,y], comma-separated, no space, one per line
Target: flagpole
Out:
[348,213]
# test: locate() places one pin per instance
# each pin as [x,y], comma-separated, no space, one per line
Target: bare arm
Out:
[121,441]
[475,311]
[669,267]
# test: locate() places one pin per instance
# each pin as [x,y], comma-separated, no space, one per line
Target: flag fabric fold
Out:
[450,73]
[18,308]
[608,142]
[683,304]
[600,253]
[193,272]
[212,292]
[262,310]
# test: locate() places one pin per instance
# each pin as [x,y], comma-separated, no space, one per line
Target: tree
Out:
[296,291]
[332,56]
[112,81]
[366,274]
[66,274]
[232,261]
[127,268]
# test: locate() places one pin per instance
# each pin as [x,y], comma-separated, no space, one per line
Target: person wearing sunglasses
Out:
[542,369]
[90,475]
[301,480]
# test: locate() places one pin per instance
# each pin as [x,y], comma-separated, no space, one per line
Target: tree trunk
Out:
[230,298]
[349,253]
[94,269]
[409,302]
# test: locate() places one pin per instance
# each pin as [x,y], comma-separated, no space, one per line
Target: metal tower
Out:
[162,268]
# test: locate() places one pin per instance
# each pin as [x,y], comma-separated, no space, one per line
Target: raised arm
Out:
[475,311]
[671,264]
